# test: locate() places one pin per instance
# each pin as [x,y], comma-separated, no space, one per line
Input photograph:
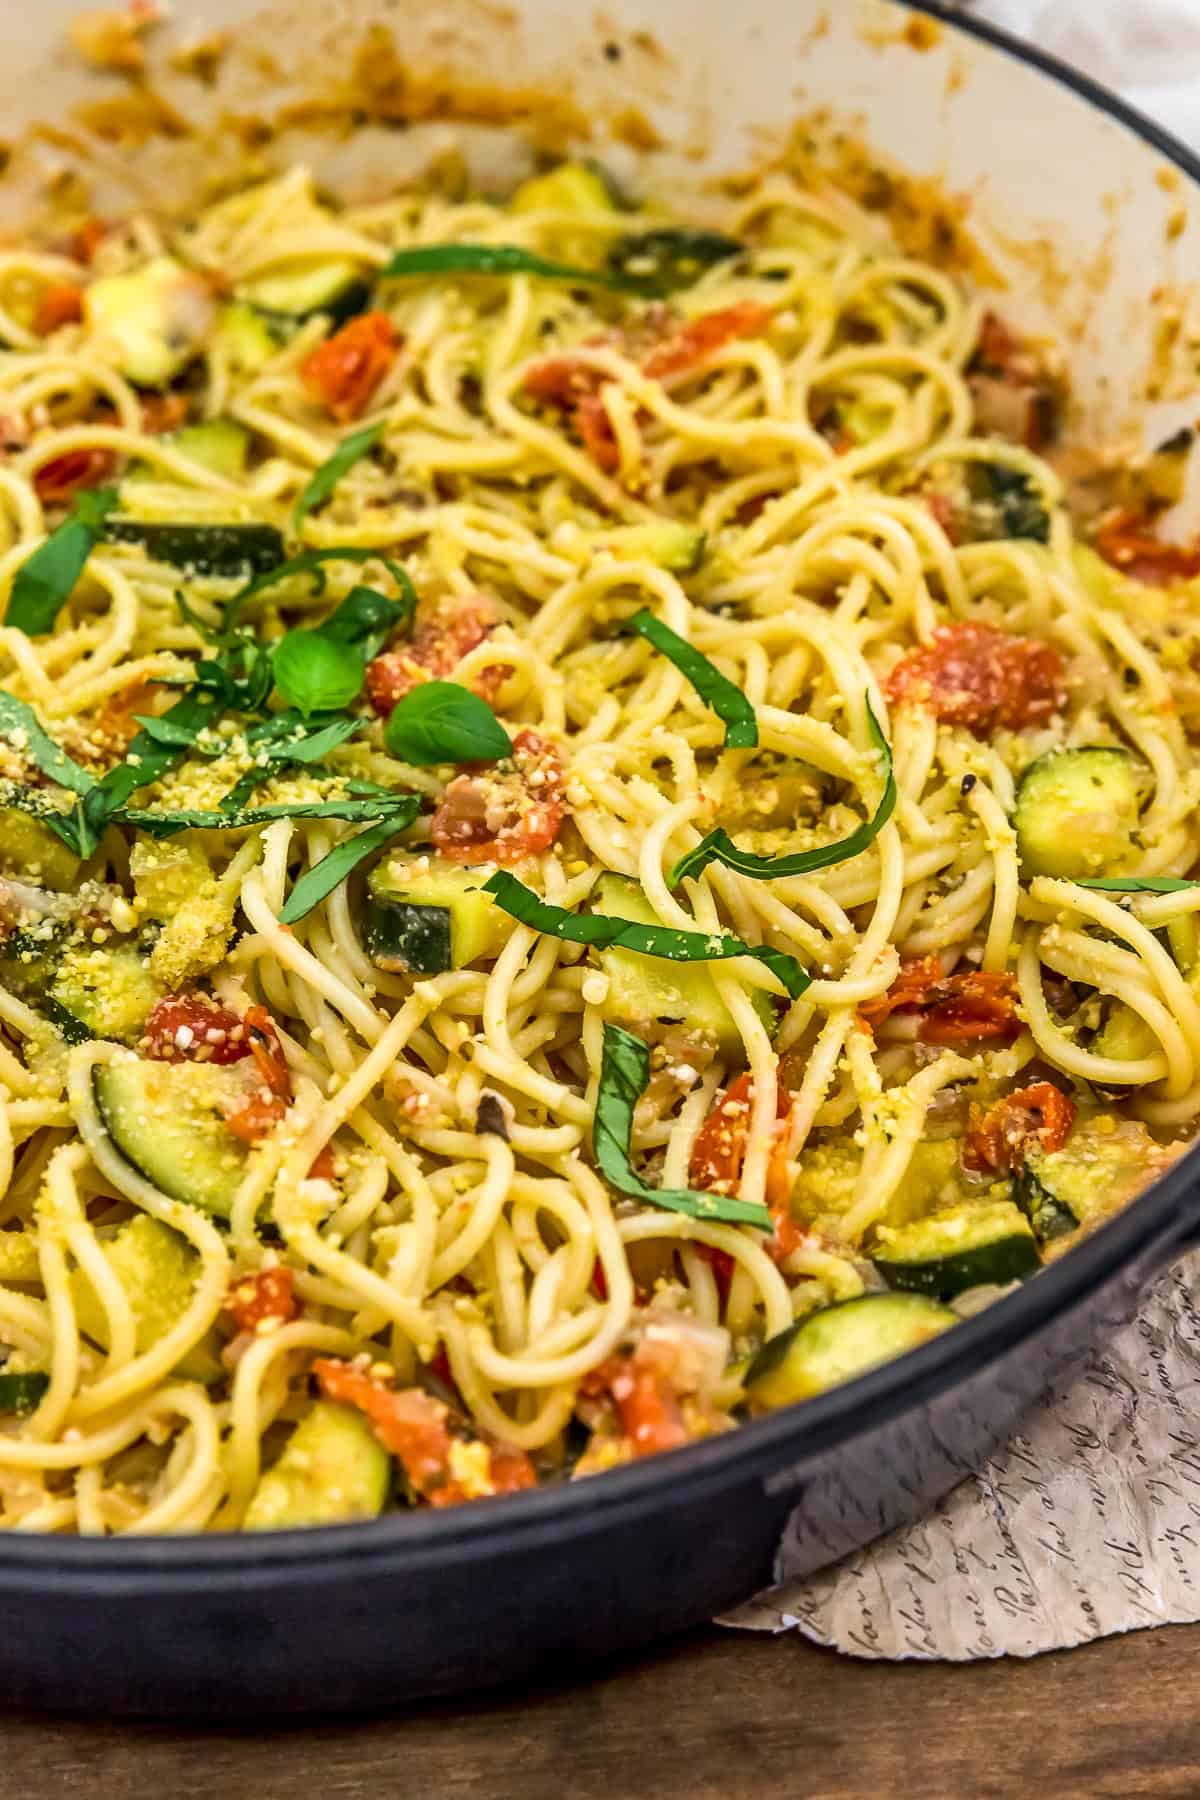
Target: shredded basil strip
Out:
[333,869]
[665,941]
[167,822]
[444,722]
[19,721]
[69,1026]
[44,582]
[718,846]
[624,1074]
[282,740]
[660,261]
[321,484]
[718,693]
[310,562]
[503,259]
[1138,884]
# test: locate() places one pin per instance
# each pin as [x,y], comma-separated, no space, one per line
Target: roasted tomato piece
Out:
[57,480]
[662,347]
[265,1106]
[974,675]
[719,1151]
[699,338]
[346,369]
[164,412]
[195,1028]
[1127,541]
[954,1008]
[647,1408]
[59,304]
[504,810]
[267,1298]
[998,1138]
[87,240]
[444,1466]
[444,631]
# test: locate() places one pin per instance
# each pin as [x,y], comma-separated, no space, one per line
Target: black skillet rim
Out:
[1158,1222]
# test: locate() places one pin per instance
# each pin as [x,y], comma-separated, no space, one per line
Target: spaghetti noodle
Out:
[709,870]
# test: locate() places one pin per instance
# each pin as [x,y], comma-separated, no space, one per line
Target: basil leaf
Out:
[718,846]
[512,897]
[718,693]
[660,261]
[443,722]
[147,759]
[1138,884]
[315,673]
[366,618]
[311,562]
[624,1074]
[321,484]
[19,724]
[333,869]
[194,818]
[501,259]
[43,584]
[239,677]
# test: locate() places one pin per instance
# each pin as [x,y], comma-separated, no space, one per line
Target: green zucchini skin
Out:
[839,1342]
[973,1246]
[167,1120]
[232,550]
[22,1393]
[403,934]
[332,1468]
[1050,1216]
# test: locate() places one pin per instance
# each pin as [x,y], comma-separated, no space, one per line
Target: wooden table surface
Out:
[718,1716]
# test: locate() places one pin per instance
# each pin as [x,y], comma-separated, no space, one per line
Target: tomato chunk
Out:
[1016,396]
[263,1108]
[505,810]
[974,675]
[60,304]
[57,480]
[1127,541]
[346,369]
[715,1166]
[702,337]
[164,412]
[415,1428]
[998,1138]
[646,1407]
[194,1028]
[267,1298]
[662,349]
[955,1008]
[87,240]
[443,633]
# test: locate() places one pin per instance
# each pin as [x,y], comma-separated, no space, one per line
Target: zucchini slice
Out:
[246,337]
[168,1122]
[645,993]
[152,322]
[427,916]
[223,550]
[157,1268]
[1077,811]
[111,992]
[842,1341]
[1104,1163]
[973,1246]
[327,284]
[333,1468]
[669,544]
[22,1392]
[30,849]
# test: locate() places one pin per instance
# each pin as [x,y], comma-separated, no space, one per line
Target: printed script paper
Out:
[1087,1524]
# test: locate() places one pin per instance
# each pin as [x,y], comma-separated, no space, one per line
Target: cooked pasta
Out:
[591,846]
